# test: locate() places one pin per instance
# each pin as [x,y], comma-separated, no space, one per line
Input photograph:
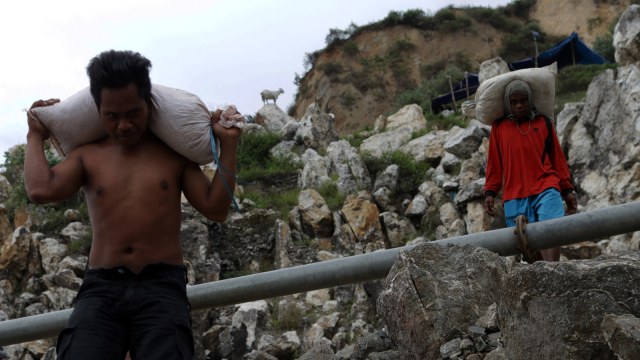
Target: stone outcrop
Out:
[544,310]
[626,37]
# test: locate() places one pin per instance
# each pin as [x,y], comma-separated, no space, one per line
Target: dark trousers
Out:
[116,311]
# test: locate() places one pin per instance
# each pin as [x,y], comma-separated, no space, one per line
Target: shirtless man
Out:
[133,297]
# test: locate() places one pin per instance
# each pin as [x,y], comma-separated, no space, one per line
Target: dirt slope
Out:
[358,80]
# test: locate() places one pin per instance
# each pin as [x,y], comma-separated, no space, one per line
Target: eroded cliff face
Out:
[589,18]
[358,81]
[360,86]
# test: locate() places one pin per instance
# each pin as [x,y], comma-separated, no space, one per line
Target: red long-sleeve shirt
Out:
[514,160]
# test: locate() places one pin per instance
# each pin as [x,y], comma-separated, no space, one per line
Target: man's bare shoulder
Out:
[88,147]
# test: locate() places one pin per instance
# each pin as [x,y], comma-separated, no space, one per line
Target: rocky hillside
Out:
[400,185]
[362,71]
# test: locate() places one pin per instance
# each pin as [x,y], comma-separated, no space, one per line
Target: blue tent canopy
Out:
[570,51]
[461,90]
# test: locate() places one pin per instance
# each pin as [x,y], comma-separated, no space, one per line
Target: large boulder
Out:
[316,129]
[410,116]
[626,37]
[272,118]
[433,293]
[492,67]
[350,167]
[558,308]
[604,142]
[547,310]
[386,142]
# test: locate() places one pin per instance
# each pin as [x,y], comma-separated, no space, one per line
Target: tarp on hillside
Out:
[570,51]
[461,91]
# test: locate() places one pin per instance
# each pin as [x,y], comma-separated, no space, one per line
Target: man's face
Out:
[124,114]
[519,103]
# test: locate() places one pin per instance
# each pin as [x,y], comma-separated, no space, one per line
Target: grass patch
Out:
[573,82]
[333,197]
[355,139]
[288,317]
[441,122]
[412,173]
[281,201]
[254,160]
[577,78]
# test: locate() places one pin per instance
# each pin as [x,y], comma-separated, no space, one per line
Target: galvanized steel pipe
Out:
[592,225]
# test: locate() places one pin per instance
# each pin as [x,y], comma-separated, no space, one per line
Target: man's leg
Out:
[516,207]
[92,331]
[548,205]
[160,317]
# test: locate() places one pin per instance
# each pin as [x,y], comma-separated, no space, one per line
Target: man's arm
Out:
[44,184]
[493,171]
[213,199]
[559,163]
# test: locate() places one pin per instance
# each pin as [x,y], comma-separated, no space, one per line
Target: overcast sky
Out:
[225,51]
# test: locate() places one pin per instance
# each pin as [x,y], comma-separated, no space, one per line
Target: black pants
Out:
[116,311]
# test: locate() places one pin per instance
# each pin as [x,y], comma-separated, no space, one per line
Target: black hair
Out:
[117,69]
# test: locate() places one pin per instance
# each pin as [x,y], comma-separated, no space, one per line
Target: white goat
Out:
[270,94]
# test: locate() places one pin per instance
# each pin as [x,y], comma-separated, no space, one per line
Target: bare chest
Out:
[122,177]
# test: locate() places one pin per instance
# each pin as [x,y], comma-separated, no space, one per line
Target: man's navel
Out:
[164,184]
[100,191]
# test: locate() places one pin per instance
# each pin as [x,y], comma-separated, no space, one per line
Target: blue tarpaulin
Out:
[570,51]
[460,90]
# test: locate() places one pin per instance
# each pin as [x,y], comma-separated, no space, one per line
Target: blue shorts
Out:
[117,311]
[544,206]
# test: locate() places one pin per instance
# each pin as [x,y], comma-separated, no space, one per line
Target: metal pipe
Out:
[592,225]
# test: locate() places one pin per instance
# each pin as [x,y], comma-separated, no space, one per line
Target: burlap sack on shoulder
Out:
[489,104]
[179,118]
[71,122]
[183,122]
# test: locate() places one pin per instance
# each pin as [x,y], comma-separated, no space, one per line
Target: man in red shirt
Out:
[525,160]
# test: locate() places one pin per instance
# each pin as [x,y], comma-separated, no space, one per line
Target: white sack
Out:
[179,118]
[490,94]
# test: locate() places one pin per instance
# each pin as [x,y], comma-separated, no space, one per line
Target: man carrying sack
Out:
[133,297]
[525,160]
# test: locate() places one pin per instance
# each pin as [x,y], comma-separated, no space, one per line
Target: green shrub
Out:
[413,17]
[447,21]
[440,122]
[255,162]
[519,8]
[333,197]
[330,69]
[494,17]
[577,78]
[347,100]
[365,80]
[603,45]
[80,246]
[280,201]
[351,48]
[573,82]
[288,317]
[412,173]
[418,18]
[519,43]
[355,139]
[430,88]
